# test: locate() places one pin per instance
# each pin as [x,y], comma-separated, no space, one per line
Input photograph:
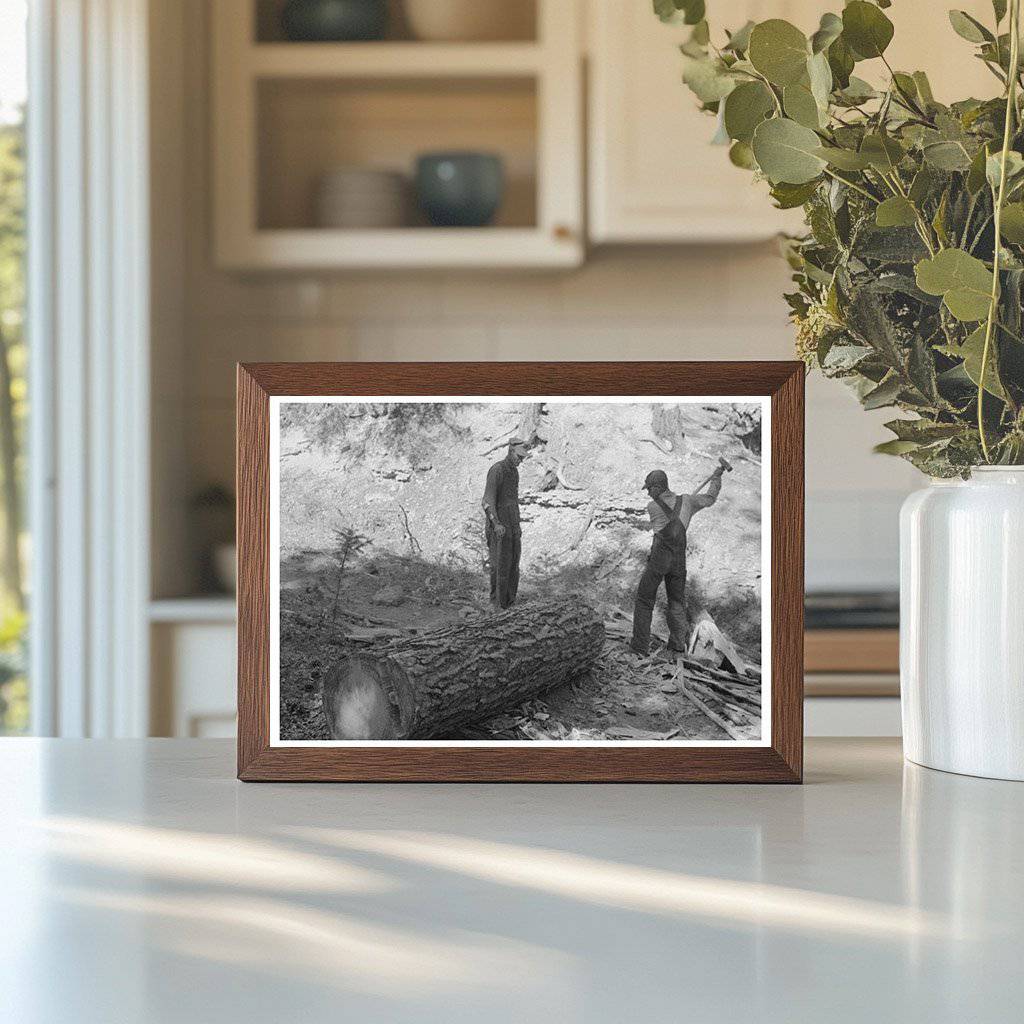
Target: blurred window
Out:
[14,539]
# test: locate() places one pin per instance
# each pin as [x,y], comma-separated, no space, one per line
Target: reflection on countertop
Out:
[143,883]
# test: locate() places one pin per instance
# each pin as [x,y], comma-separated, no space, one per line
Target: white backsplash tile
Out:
[853,539]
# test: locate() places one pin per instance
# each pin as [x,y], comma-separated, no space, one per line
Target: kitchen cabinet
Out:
[653,175]
[287,114]
[192,647]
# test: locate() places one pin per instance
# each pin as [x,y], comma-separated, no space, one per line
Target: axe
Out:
[722,464]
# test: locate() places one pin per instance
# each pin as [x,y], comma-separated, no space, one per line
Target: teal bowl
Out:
[460,190]
[334,21]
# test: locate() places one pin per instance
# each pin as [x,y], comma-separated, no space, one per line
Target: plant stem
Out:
[853,185]
[980,232]
[970,215]
[1012,334]
[1011,108]
[775,98]
[910,102]
[896,187]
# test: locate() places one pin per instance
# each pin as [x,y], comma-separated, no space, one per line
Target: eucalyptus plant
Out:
[910,278]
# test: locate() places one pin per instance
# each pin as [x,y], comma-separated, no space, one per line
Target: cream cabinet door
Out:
[654,177]
[925,41]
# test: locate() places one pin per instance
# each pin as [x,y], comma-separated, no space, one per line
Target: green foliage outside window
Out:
[13,412]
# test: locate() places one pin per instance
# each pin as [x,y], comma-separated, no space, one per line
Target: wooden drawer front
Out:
[852,650]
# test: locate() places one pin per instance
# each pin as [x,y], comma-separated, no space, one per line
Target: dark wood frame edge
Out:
[780,762]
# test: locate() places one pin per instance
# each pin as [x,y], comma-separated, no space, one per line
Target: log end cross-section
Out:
[428,686]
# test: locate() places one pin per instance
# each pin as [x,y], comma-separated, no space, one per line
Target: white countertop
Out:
[140,882]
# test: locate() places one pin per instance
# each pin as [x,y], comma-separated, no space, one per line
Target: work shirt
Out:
[660,515]
[501,493]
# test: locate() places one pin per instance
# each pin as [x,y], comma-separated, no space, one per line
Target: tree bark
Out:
[428,686]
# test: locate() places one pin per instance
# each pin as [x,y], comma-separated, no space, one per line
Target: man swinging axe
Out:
[670,517]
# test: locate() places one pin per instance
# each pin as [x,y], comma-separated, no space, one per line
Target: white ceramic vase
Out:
[962,624]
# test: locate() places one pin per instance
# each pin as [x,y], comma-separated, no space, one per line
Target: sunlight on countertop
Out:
[141,882]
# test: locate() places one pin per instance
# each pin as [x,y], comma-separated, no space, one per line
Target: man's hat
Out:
[656,478]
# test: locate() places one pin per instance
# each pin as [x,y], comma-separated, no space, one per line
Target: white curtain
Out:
[88,383]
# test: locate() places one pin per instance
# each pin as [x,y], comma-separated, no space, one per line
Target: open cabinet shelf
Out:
[287,114]
[393,60]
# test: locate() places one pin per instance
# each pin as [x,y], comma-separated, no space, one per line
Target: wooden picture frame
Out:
[779,758]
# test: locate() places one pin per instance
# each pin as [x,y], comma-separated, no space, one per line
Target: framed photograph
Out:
[565,572]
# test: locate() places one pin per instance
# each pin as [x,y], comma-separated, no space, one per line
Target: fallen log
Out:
[427,686]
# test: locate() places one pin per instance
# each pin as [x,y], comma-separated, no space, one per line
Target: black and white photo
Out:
[516,571]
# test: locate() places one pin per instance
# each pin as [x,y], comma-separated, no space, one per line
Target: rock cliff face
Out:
[410,478]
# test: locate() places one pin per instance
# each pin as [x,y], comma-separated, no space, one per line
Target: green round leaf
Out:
[840,61]
[969,28]
[801,106]
[963,281]
[707,79]
[788,197]
[1012,224]
[921,187]
[666,10]
[787,152]
[924,87]
[905,84]
[740,39]
[745,108]
[895,212]
[690,12]
[701,34]
[971,351]
[741,155]
[883,152]
[856,92]
[976,174]
[993,166]
[693,11]
[819,75]
[779,51]
[844,159]
[866,29]
[829,30]
[896,447]
[947,156]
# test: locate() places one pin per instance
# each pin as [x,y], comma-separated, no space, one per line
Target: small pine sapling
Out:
[347,542]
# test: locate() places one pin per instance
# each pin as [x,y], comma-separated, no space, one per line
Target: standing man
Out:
[670,517]
[504,535]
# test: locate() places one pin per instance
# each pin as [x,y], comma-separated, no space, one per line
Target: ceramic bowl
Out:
[333,21]
[359,197]
[460,189]
[470,20]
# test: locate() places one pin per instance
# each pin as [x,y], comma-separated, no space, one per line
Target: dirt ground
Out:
[622,697]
